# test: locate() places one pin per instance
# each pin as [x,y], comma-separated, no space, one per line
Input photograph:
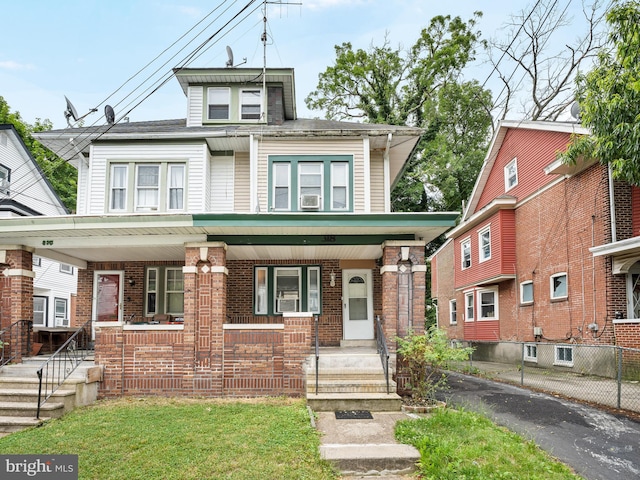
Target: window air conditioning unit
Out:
[287,305]
[310,202]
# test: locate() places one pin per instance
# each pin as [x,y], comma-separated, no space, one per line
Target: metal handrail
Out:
[383,351]
[53,372]
[17,337]
[317,352]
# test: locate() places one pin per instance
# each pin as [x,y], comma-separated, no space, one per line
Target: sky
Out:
[93,51]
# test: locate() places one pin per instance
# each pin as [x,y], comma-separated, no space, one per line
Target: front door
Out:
[357,294]
[107,296]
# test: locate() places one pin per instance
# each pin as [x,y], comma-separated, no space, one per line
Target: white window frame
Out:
[5,180]
[261,291]
[154,207]
[453,312]
[151,289]
[563,361]
[43,312]
[168,292]
[276,186]
[496,307]
[280,296]
[552,279]
[508,175]
[320,187]
[36,261]
[66,268]
[178,186]
[530,352]
[250,116]
[469,307]
[61,319]
[335,185]
[313,291]
[225,92]
[522,287]
[482,244]
[633,293]
[121,189]
[465,245]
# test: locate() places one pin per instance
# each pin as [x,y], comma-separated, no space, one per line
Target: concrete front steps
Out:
[19,394]
[351,377]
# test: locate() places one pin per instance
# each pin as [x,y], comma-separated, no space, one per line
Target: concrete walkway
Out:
[366,448]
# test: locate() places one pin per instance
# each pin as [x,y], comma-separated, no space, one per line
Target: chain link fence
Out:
[600,374]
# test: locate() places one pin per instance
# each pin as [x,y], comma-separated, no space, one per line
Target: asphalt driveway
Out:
[595,443]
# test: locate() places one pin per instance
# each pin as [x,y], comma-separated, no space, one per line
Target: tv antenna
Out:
[71,112]
[229,63]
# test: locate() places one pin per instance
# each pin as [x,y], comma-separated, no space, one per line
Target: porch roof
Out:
[76,239]
[625,253]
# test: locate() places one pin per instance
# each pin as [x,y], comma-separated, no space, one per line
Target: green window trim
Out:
[329,189]
[266,298]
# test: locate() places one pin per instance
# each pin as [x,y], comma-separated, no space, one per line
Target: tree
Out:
[419,87]
[536,65]
[609,98]
[63,177]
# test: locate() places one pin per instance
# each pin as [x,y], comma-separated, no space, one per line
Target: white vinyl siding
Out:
[377,184]
[242,192]
[195,99]
[222,184]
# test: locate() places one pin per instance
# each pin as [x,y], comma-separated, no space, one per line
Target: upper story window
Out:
[511,175]
[484,243]
[558,284]
[311,183]
[219,99]
[250,104]
[465,247]
[151,187]
[5,178]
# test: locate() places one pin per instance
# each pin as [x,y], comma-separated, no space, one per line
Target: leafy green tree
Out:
[419,87]
[609,97]
[63,177]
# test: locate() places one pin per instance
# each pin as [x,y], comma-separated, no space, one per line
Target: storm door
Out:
[357,294]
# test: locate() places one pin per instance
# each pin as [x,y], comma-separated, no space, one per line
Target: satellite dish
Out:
[70,112]
[230,55]
[109,114]
[575,110]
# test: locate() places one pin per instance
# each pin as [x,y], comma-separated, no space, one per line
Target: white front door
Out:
[357,304]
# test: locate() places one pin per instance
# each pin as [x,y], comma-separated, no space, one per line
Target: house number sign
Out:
[47,243]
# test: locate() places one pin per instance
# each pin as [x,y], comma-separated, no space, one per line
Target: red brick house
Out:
[544,251]
[206,247]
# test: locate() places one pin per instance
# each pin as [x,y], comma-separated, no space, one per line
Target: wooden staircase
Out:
[350,377]
[19,394]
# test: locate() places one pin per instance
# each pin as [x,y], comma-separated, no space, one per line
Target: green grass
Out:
[182,439]
[460,445]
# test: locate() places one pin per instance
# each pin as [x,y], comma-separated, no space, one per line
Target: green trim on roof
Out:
[306,239]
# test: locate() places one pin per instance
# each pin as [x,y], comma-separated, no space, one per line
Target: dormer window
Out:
[5,174]
[250,104]
[218,103]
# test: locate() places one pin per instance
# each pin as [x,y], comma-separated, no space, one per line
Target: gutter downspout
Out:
[387,179]
[612,206]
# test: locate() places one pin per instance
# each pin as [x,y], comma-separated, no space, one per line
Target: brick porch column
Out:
[16,286]
[205,307]
[403,288]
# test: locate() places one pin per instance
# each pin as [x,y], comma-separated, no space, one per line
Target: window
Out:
[564,356]
[119,182]
[250,104]
[164,291]
[558,286]
[484,244]
[64,268]
[633,292]
[526,292]
[176,187]
[5,178]
[465,246]
[453,312]
[36,261]
[281,289]
[39,311]
[174,289]
[468,302]
[219,99]
[531,353]
[511,175]
[488,304]
[61,312]
[158,186]
[310,182]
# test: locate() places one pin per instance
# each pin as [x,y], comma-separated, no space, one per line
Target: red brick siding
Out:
[635,211]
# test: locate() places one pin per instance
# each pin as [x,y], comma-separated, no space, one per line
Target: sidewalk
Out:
[367,447]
